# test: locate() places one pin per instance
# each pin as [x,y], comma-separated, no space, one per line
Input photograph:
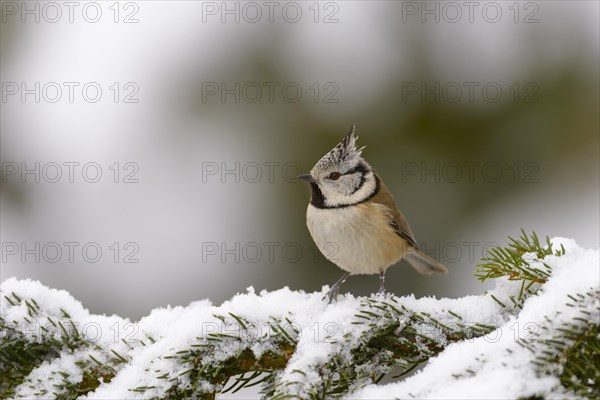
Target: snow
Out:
[50,373]
[501,367]
[100,329]
[179,327]
[101,333]
[492,366]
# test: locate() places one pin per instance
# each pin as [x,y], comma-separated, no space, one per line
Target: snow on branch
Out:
[535,335]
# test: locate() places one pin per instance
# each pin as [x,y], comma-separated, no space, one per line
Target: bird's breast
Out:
[358,239]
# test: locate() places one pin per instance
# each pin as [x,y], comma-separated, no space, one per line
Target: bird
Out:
[353,219]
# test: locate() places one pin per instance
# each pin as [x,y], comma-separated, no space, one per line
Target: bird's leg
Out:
[381,282]
[333,292]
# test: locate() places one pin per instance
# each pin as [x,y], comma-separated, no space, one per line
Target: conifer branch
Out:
[514,260]
[385,335]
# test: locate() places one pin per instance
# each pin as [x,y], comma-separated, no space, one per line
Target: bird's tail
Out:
[424,264]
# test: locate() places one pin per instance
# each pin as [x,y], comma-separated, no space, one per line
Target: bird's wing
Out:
[397,220]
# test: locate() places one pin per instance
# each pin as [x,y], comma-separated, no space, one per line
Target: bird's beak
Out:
[307,178]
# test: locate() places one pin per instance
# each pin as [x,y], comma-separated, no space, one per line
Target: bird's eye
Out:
[334,176]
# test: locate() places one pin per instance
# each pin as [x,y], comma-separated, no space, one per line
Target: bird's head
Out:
[341,177]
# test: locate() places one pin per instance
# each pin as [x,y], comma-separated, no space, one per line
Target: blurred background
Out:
[149,149]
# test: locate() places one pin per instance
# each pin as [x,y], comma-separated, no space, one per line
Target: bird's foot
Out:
[332,294]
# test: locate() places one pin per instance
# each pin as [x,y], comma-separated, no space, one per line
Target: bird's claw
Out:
[332,294]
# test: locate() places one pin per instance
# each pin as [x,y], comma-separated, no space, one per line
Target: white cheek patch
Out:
[345,186]
[334,198]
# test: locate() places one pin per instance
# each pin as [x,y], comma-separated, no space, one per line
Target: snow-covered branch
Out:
[535,334]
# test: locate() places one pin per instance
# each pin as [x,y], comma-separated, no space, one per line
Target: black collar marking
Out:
[317,199]
[363,171]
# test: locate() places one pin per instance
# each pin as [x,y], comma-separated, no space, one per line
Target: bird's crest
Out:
[345,151]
